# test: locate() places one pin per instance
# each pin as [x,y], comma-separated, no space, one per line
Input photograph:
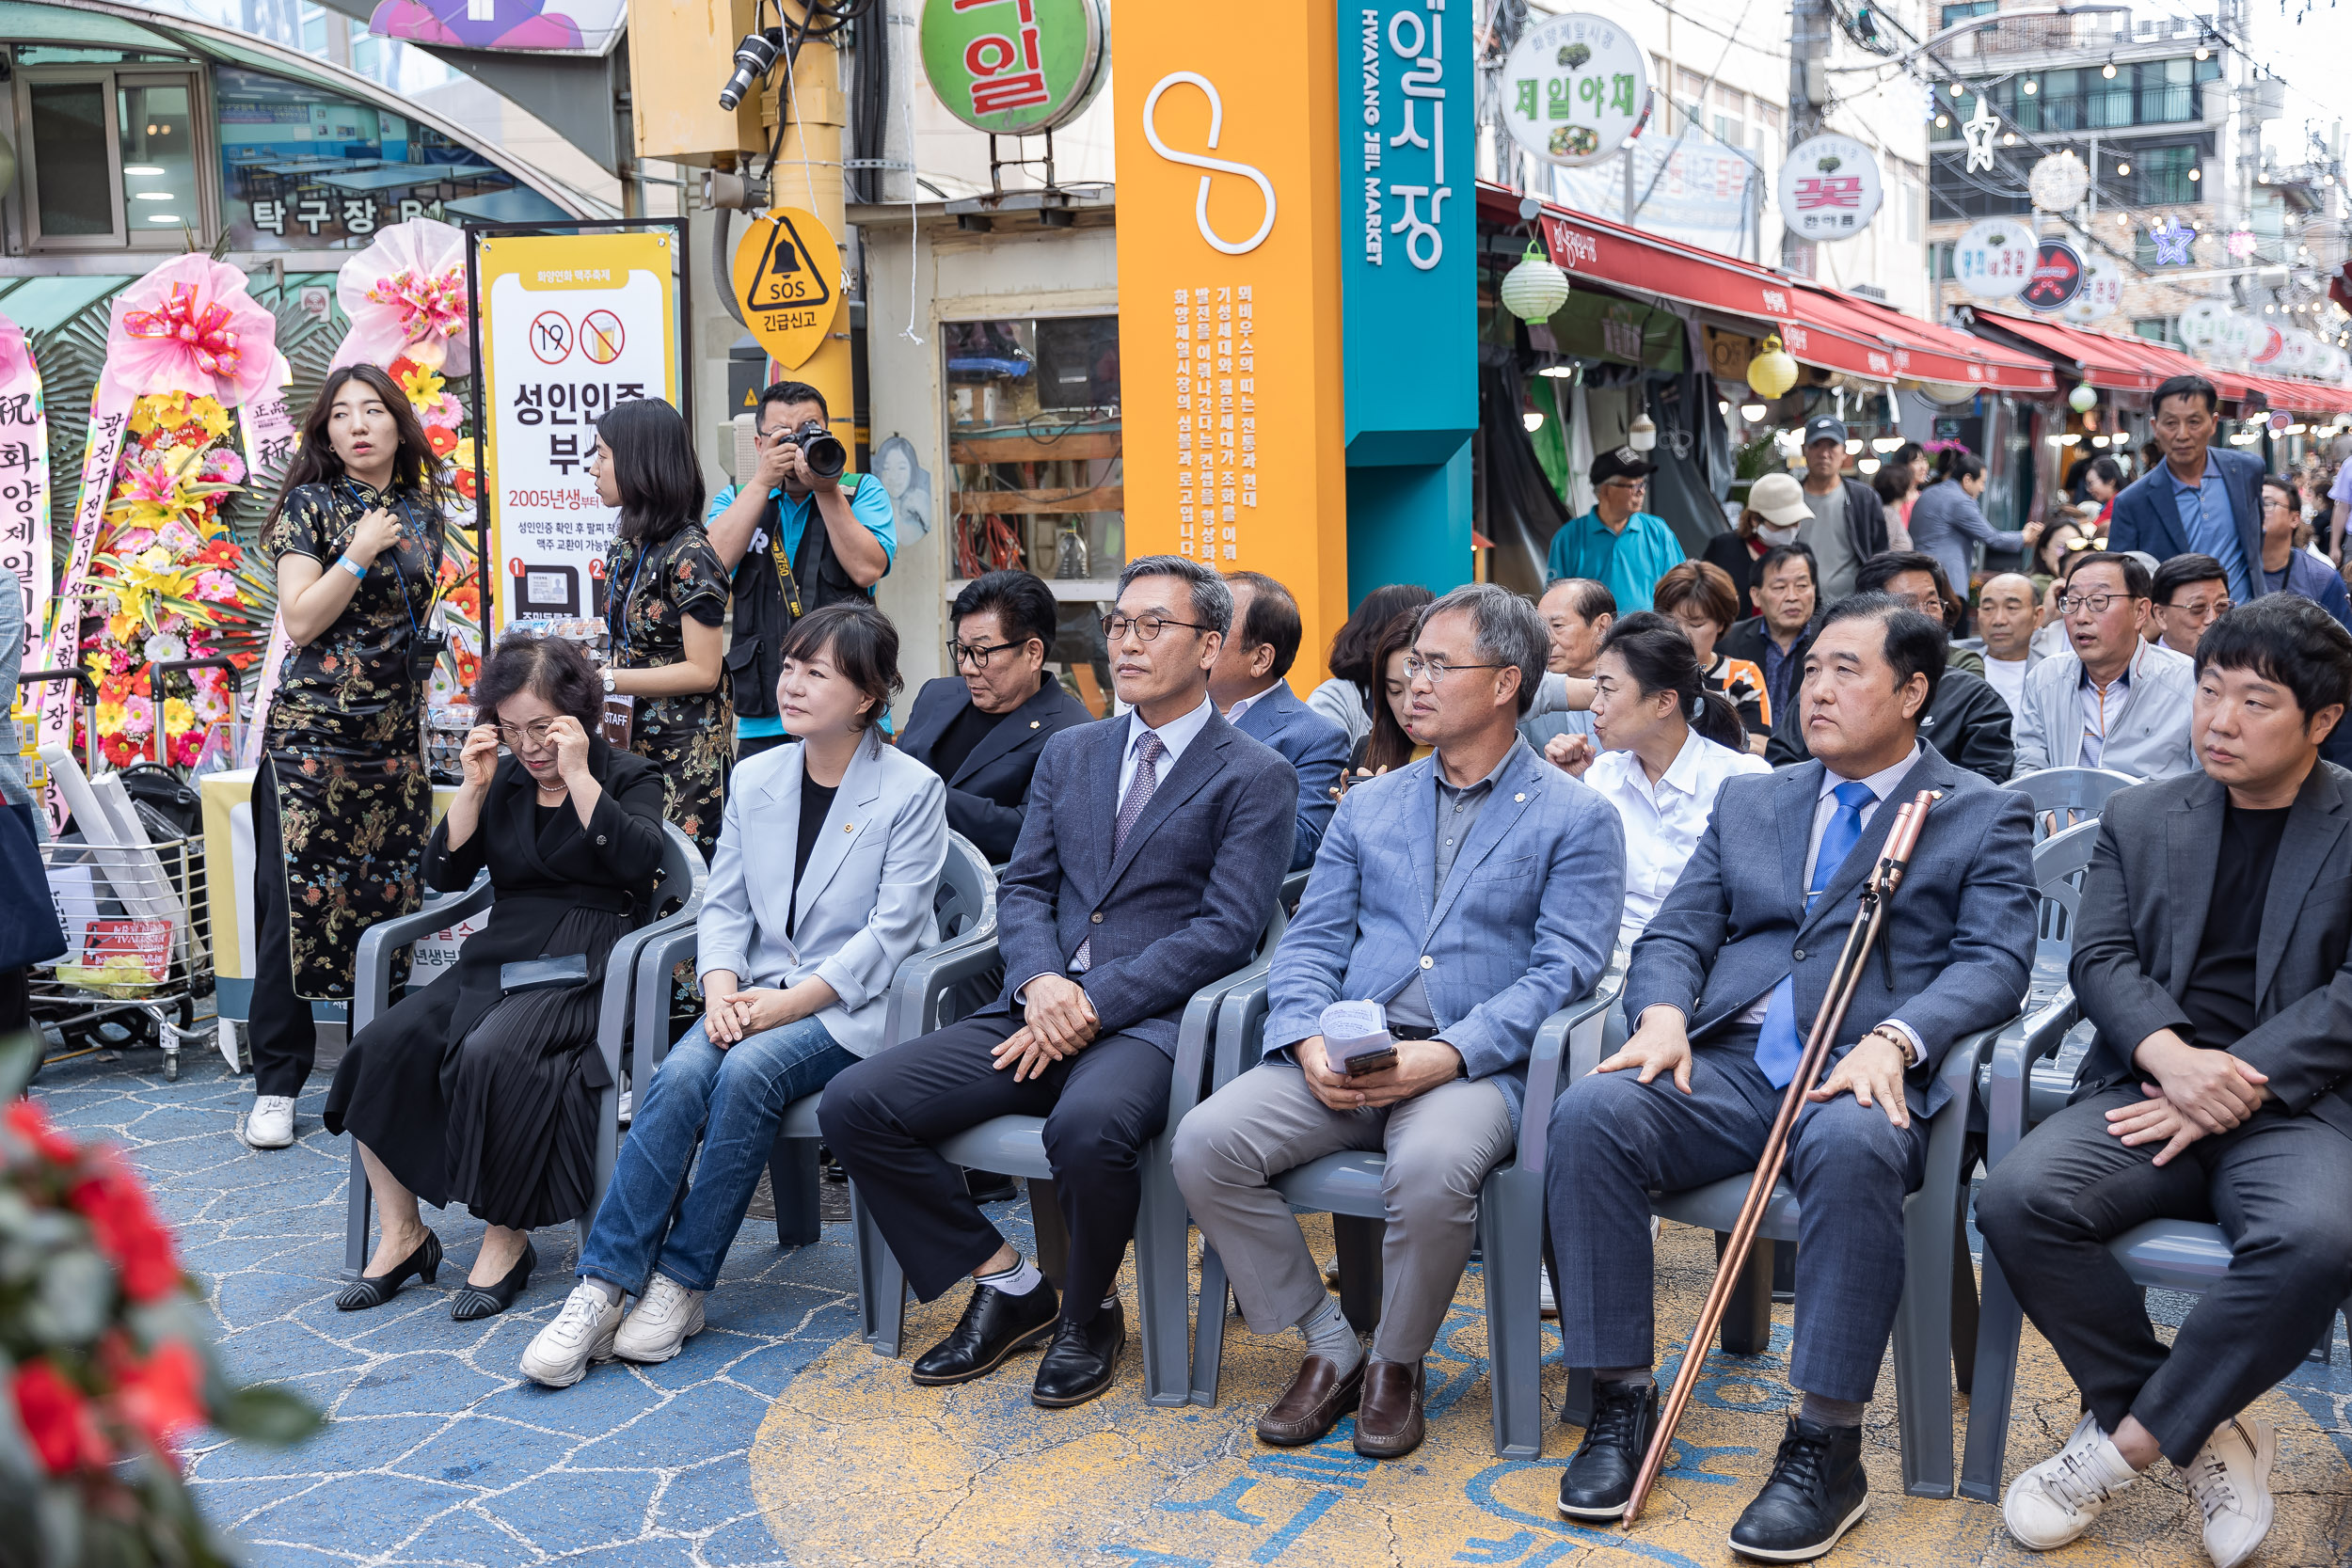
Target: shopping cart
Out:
[138,946]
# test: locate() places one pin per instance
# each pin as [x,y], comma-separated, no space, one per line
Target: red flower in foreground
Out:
[163,1395]
[127,1232]
[29,1122]
[466,483]
[443,441]
[61,1424]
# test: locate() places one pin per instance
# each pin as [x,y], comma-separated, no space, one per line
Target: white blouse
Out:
[1662,822]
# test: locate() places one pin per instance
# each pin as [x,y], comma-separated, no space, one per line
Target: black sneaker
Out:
[1599,1479]
[1816,1494]
[993,1325]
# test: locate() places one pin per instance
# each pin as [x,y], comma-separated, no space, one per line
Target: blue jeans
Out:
[729,1102]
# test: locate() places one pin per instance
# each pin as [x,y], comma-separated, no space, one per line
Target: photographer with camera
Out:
[783,568]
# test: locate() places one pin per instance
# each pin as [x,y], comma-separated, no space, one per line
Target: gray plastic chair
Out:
[2068,797]
[2168,1254]
[1347,1187]
[966,906]
[2059,863]
[680,878]
[1015,1146]
[1935,1327]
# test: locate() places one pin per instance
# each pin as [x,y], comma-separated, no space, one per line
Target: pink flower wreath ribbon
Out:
[405,295]
[189,325]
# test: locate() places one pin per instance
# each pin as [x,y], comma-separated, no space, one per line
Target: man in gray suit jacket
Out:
[1460,894]
[1722,988]
[1147,866]
[2114,700]
[2209,953]
[1249,687]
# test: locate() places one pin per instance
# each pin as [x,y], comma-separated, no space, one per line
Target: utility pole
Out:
[807,173]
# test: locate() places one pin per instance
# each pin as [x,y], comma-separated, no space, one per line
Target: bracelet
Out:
[353,567]
[1912,1054]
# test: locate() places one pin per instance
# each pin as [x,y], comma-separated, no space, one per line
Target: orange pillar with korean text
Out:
[1228,301]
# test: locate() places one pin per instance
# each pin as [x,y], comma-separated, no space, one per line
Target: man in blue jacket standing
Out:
[1248,685]
[2203,498]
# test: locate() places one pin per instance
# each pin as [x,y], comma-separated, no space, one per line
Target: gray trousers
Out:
[1616,1140]
[1440,1147]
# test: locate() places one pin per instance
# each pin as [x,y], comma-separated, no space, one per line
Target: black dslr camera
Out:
[820,448]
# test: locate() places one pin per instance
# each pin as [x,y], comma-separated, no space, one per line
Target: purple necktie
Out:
[1147,778]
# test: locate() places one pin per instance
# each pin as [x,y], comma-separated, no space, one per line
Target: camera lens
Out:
[824,454]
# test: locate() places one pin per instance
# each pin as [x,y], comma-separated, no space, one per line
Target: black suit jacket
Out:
[1967,721]
[990,790]
[2142,917]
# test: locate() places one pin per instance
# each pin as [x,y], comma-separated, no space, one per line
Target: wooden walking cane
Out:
[1893,861]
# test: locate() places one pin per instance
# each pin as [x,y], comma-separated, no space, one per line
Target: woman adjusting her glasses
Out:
[480,1088]
[341,802]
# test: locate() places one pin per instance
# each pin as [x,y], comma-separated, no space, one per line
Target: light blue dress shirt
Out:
[2204,509]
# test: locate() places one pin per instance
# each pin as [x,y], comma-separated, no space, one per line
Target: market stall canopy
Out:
[2120,362]
[1819,326]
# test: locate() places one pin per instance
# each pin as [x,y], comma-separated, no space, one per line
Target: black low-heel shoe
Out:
[375,1290]
[476,1302]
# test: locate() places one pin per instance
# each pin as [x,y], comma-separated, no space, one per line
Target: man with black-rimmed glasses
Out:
[1148,863]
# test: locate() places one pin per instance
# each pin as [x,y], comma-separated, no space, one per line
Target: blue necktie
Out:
[1778,1049]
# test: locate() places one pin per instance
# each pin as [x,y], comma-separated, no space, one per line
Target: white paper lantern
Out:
[2082,399]
[1533,289]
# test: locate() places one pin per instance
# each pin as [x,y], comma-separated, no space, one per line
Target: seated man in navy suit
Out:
[1722,988]
[1147,868]
[982,728]
[1249,687]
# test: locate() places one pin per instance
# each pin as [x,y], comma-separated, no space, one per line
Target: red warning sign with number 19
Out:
[786,276]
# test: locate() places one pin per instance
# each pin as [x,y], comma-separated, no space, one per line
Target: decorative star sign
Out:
[1978,128]
[2172,239]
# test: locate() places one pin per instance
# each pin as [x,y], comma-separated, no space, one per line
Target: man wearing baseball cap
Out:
[1617,543]
[1849,524]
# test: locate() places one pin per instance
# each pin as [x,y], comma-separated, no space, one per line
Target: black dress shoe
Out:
[993,1325]
[1599,1479]
[479,1301]
[987,1186]
[1083,1360]
[1816,1494]
[375,1290]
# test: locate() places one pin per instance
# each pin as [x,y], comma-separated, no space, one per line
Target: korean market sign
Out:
[2101,292]
[1015,66]
[1409,236]
[787,281]
[571,324]
[2057,277]
[1829,188]
[1994,259]
[1575,89]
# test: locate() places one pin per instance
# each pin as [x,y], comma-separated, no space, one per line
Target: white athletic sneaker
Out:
[270,1123]
[2231,1482]
[1545,1306]
[582,1332]
[2056,1501]
[667,1315]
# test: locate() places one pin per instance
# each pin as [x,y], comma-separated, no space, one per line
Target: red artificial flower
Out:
[465,486]
[220,552]
[469,666]
[162,1396]
[28,1121]
[61,1424]
[403,368]
[128,1232]
[242,660]
[441,439]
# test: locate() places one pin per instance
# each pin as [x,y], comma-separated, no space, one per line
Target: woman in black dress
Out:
[341,804]
[470,1092]
[666,595]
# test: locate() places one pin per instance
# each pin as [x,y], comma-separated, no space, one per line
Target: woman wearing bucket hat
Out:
[1774,512]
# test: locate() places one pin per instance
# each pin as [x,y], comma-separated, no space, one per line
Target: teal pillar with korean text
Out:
[1409,288]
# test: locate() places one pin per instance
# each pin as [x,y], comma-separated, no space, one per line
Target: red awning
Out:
[1819,326]
[2097,358]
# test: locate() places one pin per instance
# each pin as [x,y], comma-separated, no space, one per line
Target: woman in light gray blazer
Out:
[828,860]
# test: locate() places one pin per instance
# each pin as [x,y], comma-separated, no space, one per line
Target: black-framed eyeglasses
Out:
[1148,627]
[978,653]
[535,732]
[1926,604]
[1437,669]
[2096,603]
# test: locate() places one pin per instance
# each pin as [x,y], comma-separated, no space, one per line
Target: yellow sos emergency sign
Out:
[787,277]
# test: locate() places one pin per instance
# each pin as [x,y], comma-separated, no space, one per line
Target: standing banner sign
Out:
[570,325]
[24,483]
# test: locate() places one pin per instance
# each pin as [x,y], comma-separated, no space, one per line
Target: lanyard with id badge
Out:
[620,709]
[425,647]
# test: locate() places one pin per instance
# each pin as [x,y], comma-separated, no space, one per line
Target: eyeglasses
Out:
[2096,603]
[1926,604]
[1625,483]
[978,653]
[1148,627]
[535,732]
[1437,669]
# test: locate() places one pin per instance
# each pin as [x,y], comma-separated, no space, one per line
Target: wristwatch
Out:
[608,682]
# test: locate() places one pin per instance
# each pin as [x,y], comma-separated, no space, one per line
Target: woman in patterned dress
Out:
[666,598]
[341,804]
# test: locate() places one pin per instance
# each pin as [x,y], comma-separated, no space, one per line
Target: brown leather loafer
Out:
[1313,1404]
[1389,1421]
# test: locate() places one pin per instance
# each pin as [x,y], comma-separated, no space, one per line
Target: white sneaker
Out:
[2056,1501]
[2231,1482]
[270,1123]
[1545,1305]
[582,1332]
[667,1315]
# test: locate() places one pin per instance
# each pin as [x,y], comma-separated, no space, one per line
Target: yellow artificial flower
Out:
[178,716]
[422,385]
[110,717]
[461,455]
[208,413]
[167,410]
[151,573]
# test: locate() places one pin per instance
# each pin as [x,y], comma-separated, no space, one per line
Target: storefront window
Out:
[303,170]
[113,155]
[157,131]
[1033,424]
[71,179]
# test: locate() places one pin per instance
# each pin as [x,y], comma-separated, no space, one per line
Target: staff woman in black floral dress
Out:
[341,804]
[666,596]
